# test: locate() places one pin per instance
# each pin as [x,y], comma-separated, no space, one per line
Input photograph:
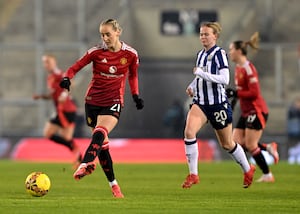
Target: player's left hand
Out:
[233,103]
[230,92]
[139,102]
[189,92]
[65,83]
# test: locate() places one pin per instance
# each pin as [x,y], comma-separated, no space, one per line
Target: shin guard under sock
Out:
[106,163]
[94,148]
[58,139]
[238,154]
[192,153]
[260,160]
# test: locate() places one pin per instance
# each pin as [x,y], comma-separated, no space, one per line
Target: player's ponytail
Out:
[253,43]
[254,40]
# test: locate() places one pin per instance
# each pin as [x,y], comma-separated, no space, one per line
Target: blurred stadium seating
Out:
[67,28]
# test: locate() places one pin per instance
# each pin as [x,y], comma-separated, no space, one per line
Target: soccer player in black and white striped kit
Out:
[210,103]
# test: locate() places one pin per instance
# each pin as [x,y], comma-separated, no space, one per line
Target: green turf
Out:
[150,188]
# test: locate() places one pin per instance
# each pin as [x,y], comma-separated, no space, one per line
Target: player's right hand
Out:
[230,92]
[189,92]
[36,96]
[139,102]
[65,83]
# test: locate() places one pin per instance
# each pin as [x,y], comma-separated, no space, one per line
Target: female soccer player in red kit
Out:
[112,61]
[254,116]
[60,128]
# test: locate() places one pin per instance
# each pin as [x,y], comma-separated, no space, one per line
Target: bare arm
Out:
[42,96]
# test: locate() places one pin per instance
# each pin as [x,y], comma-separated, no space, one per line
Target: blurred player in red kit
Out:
[252,122]
[60,128]
[113,61]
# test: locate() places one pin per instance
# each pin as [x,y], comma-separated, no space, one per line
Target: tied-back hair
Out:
[214,25]
[50,56]
[114,23]
[253,43]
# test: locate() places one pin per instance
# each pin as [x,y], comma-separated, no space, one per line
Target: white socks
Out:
[239,156]
[191,152]
[114,182]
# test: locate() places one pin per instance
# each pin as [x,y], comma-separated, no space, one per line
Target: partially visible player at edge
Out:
[60,128]
[252,122]
[210,103]
[112,61]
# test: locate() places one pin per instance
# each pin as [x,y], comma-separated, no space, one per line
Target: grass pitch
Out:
[150,188]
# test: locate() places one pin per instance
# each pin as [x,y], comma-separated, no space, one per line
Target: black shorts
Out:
[70,116]
[219,115]
[92,112]
[253,121]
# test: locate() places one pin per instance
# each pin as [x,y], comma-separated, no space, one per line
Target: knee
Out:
[100,133]
[47,133]
[189,134]
[250,147]
[68,137]
[101,130]
[228,145]
[238,140]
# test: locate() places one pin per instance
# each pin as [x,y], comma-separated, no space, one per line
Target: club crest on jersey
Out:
[123,61]
[209,57]
[112,69]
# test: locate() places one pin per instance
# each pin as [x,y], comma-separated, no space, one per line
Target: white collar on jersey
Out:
[56,70]
[104,46]
[246,63]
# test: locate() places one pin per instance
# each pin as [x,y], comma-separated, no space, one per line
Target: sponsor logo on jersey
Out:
[112,69]
[89,120]
[111,75]
[123,61]
[104,60]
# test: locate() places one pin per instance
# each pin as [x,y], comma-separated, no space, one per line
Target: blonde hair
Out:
[254,40]
[253,43]
[48,56]
[214,25]
[114,23]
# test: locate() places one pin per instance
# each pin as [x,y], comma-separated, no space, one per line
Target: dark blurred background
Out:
[165,33]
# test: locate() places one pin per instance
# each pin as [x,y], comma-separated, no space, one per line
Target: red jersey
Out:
[248,90]
[110,70]
[53,81]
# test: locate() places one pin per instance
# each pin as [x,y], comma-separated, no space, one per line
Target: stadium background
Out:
[67,28]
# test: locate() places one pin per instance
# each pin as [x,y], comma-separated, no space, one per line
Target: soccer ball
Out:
[37,184]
